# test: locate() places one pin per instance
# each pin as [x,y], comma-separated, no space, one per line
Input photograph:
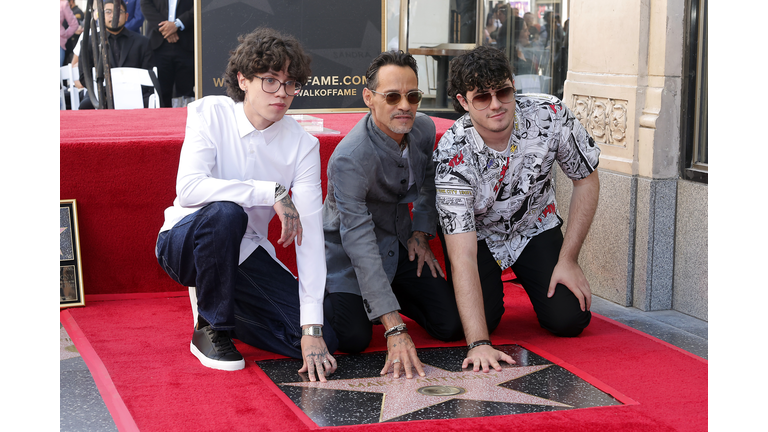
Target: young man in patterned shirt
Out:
[496,202]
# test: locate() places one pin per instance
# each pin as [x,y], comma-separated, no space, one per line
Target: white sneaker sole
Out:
[216,364]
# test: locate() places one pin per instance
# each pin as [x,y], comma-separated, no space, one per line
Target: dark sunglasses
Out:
[393,98]
[482,101]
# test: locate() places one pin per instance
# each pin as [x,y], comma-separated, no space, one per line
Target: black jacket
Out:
[156,11]
[135,52]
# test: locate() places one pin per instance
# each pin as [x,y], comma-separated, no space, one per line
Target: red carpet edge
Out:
[120,414]
[125,422]
[653,338]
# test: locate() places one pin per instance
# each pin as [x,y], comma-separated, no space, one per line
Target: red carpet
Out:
[138,352]
[121,168]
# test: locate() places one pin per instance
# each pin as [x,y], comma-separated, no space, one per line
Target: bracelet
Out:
[476,344]
[280,192]
[396,329]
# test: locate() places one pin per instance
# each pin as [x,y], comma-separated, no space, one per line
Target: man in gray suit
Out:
[375,252]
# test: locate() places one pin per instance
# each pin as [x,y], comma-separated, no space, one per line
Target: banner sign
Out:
[341,36]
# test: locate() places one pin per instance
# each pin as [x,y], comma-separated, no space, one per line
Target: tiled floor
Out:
[83,409]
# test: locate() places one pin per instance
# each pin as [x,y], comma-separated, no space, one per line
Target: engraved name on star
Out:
[402,396]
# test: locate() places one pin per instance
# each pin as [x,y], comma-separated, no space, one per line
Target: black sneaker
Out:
[215,349]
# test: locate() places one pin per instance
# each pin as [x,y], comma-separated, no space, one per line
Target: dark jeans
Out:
[560,314]
[258,300]
[427,300]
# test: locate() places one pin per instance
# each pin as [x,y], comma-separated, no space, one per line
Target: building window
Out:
[695,157]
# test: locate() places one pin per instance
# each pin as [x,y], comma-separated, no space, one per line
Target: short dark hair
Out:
[262,50]
[397,58]
[482,68]
[120,3]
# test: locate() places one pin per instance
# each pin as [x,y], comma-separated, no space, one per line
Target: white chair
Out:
[126,88]
[66,74]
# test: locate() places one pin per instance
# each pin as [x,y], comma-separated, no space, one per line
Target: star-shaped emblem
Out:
[262,5]
[403,396]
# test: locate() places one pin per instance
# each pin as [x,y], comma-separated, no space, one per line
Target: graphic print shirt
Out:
[509,197]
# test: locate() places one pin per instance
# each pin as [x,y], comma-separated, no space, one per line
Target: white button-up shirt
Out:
[172,10]
[224,158]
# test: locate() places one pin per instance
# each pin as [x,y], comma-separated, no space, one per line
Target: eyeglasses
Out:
[482,101]
[393,98]
[108,12]
[272,85]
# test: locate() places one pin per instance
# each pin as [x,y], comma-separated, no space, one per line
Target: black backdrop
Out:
[341,36]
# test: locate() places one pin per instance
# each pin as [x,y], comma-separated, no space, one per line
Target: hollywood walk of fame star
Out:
[403,396]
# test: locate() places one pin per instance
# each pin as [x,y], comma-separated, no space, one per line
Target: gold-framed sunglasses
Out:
[393,98]
[482,101]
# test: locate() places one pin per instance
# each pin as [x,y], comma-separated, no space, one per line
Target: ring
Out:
[435,260]
[395,361]
[325,361]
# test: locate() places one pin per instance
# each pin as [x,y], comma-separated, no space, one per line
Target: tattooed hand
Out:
[401,352]
[289,217]
[418,245]
[401,348]
[316,358]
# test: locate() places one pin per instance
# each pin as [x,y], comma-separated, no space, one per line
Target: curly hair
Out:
[397,58]
[482,68]
[262,50]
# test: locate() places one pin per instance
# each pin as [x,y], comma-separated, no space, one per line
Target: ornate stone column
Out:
[623,84]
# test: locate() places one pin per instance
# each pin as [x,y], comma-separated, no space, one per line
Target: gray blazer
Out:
[366,213]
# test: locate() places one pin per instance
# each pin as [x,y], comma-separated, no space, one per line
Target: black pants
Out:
[257,299]
[175,72]
[427,300]
[560,314]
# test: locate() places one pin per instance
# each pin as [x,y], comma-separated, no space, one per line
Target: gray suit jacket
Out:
[366,213]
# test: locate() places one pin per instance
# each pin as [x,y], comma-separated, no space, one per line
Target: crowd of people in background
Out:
[534,45]
[146,34]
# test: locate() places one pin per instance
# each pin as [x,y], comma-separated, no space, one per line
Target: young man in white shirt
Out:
[240,158]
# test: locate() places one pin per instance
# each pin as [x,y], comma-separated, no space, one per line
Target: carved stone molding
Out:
[604,118]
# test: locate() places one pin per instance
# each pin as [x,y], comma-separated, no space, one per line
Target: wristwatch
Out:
[315,331]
